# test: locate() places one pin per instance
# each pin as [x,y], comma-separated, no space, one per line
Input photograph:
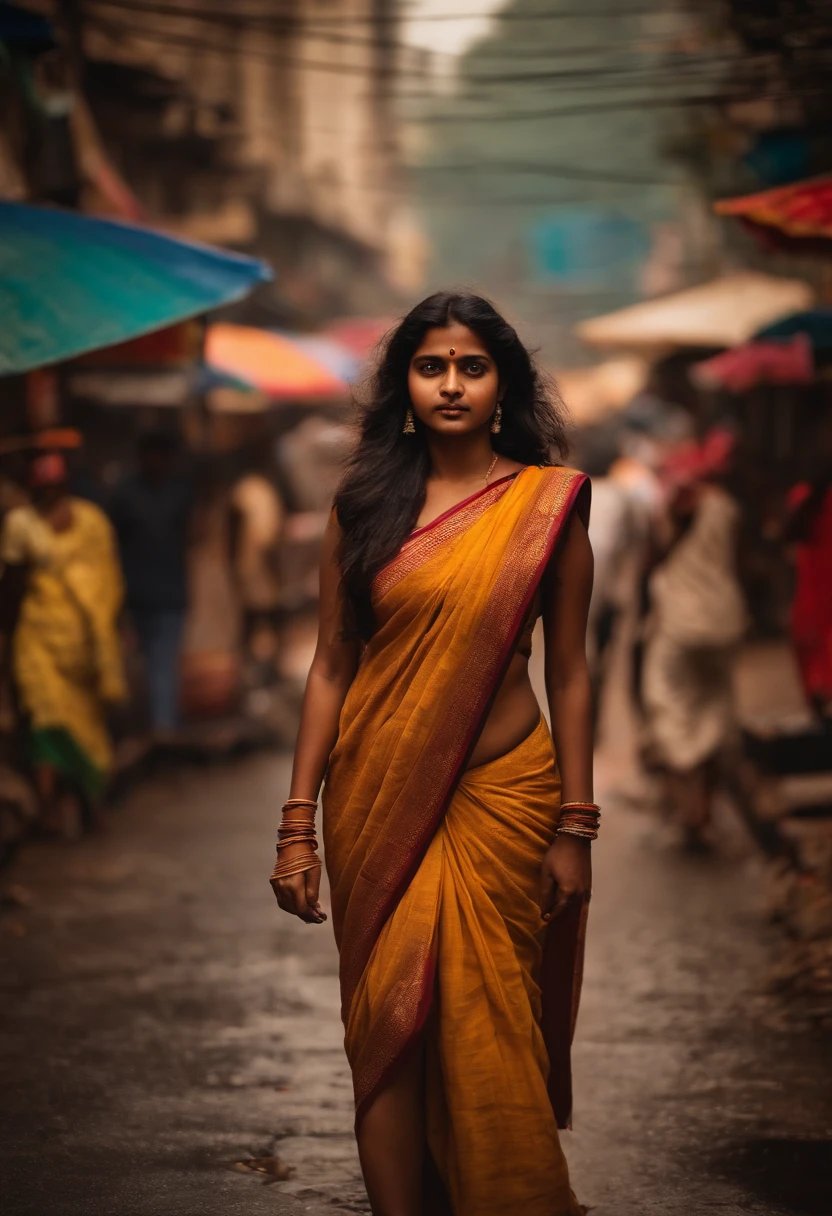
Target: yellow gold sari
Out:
[67,651]
[435,870]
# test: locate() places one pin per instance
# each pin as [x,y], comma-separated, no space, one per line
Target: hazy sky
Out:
[447,36]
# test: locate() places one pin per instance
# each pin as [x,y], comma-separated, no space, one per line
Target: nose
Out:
[451,388]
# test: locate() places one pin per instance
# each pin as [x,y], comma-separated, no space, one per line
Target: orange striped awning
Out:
[270,362]
[801,211]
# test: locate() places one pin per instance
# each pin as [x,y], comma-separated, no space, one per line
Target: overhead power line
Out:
[579,13]
[291,17]
[596,78]
[167,37]
[572,173]
[651,103]
[618,105]
[296,25]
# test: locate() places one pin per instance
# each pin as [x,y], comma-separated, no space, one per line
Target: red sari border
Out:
[424,541]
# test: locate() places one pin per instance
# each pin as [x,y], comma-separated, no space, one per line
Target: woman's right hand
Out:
[298,894]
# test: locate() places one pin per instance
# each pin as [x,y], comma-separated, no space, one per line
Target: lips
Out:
[452,411]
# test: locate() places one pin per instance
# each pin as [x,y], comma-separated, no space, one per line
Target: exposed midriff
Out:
[515,711]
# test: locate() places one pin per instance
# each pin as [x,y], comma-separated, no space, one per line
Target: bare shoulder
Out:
[333,526]
[506,467]
[572,563]
[576,565]
[331,545]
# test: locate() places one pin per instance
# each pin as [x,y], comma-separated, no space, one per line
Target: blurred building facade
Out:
[267,126]
[765,122]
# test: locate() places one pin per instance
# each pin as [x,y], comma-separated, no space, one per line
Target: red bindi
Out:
[452,351]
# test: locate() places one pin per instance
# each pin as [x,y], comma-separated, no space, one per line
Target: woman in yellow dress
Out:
[457,849]
[66,655]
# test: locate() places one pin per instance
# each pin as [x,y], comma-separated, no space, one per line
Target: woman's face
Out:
[453,381]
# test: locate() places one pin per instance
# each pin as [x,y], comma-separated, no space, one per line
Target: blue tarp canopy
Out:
[72,283]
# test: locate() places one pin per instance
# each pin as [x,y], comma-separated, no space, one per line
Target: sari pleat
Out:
[434,870]
[503,1155]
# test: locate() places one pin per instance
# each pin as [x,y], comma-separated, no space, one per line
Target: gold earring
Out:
[409,427]
[496,425]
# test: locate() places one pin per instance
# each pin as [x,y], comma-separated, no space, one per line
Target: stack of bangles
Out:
[296,831]
[579,819]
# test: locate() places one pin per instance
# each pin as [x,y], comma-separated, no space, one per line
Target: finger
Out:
[288,899]
[301,908]
[313,886]
[275,884]
[561,901]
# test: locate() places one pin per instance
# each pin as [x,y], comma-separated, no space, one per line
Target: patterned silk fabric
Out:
[434,870]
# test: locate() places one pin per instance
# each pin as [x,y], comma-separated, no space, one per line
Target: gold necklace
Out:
[491,468]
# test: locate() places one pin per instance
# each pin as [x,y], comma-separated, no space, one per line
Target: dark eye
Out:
[475,368]
[429,369]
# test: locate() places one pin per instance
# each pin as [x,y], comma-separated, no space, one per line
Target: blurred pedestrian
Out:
[698,616]
[452,837]
[151,511]
[61,566]
[256,525]
[810,527]
[614,535]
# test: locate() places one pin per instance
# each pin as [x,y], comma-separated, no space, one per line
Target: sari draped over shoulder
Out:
[434,869]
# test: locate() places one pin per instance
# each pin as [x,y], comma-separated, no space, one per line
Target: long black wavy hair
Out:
[383,488]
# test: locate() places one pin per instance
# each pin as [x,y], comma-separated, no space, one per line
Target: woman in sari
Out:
[457,849]
[66,655]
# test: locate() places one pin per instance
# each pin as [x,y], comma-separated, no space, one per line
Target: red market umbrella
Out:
[788,361]
[798,213]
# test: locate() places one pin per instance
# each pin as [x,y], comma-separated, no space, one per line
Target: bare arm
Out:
[330,676]
[568,688]
[567,869]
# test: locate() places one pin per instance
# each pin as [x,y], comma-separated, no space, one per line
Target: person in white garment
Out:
[698,617]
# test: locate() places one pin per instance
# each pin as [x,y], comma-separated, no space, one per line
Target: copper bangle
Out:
[579,819]
[284,837]
[575,827]
[297,865]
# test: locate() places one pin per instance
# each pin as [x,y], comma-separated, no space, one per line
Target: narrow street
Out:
[235,335]
[163,1022]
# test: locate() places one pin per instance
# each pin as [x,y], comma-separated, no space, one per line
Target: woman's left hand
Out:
[566,874]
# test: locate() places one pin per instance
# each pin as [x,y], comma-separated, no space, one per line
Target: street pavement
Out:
[164,1022]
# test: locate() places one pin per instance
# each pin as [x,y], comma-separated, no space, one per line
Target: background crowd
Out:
[169,593]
